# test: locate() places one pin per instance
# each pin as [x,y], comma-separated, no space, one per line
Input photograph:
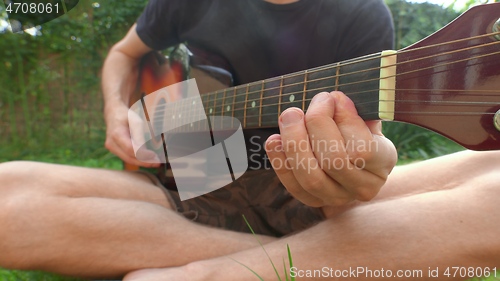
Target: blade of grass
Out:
[262,246]
[290,259]
[286,272]
[251,270]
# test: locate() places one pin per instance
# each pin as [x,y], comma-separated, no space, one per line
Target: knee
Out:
[19,204]
[483,162]
[12,218]
[14,174]
[13,179]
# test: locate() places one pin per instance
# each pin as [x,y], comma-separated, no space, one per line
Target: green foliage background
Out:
[51,104]
[50,99]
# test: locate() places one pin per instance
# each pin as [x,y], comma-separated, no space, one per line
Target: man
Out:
[90,222]
[260,40]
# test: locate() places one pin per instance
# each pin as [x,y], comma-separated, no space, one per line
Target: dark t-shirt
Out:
[262,40]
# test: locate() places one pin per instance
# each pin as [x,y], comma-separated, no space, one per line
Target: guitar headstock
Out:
[450,81]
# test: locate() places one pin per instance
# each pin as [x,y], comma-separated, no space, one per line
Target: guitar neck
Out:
[368,81]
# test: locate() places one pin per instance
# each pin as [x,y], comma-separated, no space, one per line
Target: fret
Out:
[292,92]
[185,112]
[217,100]
[177,114]
[228,105]
[218,111]
[246,101]
[320,81]
[208,111]
[305,92]
[223,101]
[181,113]
[232,108]
[190,114]
[239,104]
[270,103]
[337,76]
[196,125]
[173,120]
[280,96]
[253,104]
[193,114]
[260,109]
[227,108]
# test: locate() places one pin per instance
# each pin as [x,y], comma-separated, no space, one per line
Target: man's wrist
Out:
[113,109]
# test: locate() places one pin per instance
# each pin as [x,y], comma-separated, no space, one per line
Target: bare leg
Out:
[455,226]
[441,173]
[97,223]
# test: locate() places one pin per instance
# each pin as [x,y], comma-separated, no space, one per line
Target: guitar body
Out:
[159,71]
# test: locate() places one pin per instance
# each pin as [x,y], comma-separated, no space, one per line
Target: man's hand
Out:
[330,156]
[119,141]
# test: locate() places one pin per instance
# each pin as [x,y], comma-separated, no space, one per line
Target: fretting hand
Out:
[330,156]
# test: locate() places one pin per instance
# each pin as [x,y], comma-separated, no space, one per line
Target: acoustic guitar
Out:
[448,82]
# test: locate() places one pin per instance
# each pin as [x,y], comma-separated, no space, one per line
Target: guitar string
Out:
[358,72]
[255,124]
[438,103]
[333,66]
[355,61]
[345,84]
[474,93]
[417,113]
[161,107]
[451,42]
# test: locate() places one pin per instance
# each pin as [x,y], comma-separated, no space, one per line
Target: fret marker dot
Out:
[253,104]
[191,124]
[210,111]
[180,116]
[292,98]
[173,116]
[228,108]
[194,102]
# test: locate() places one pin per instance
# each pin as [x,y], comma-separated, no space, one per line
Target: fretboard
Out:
[259,104]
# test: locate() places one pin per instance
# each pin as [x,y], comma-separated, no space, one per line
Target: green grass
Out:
[15,275]
[86,151]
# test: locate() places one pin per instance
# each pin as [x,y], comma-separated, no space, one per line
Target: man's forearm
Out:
[119,79]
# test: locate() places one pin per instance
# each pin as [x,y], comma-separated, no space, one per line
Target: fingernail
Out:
[320,97]
[274,146]
[291,116]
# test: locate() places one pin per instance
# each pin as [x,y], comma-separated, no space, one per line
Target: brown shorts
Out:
[259,196]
